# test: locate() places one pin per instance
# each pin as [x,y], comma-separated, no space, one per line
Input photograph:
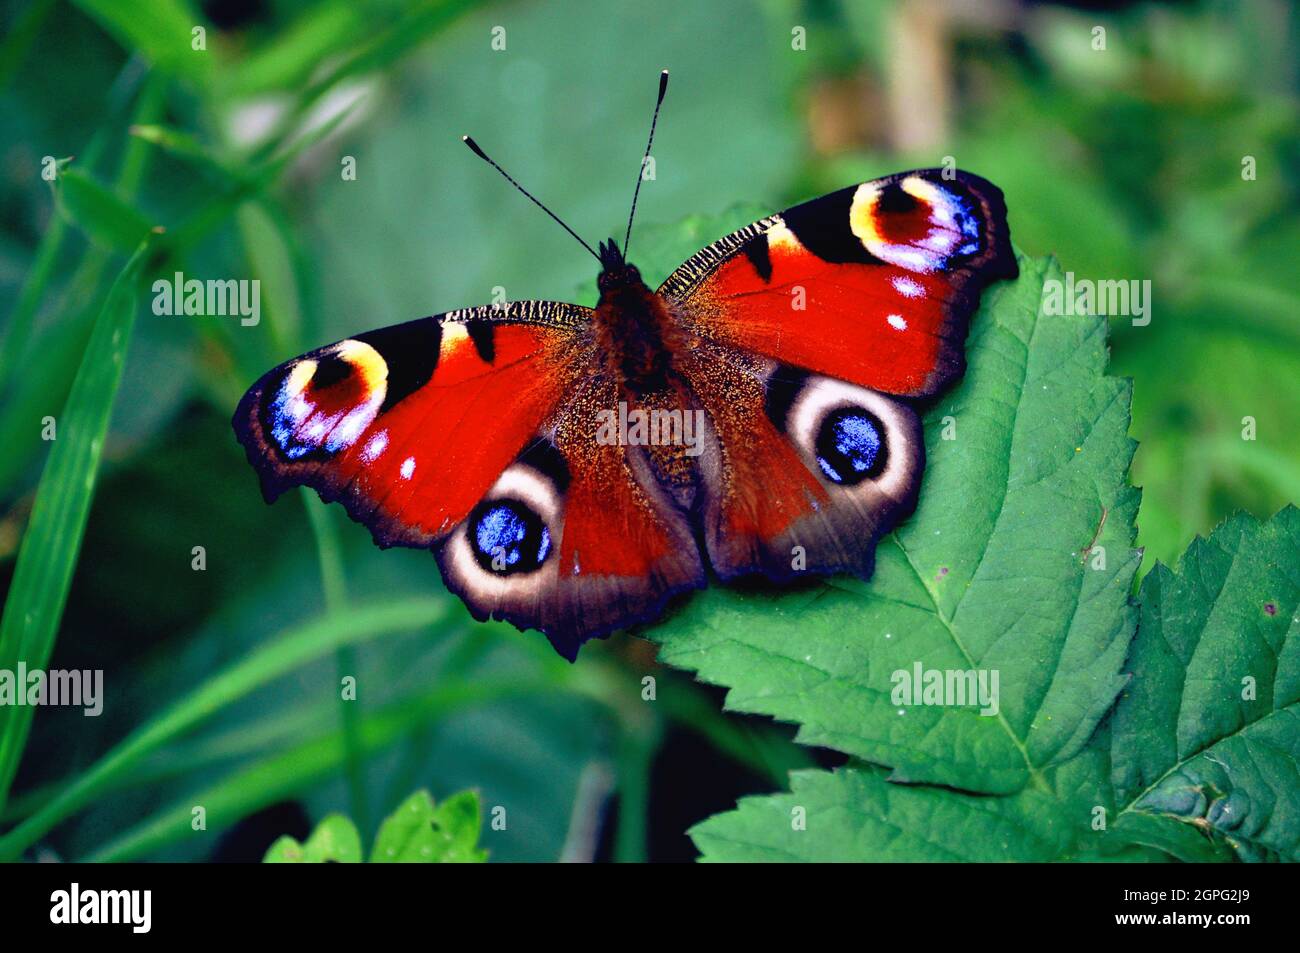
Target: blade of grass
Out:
[292,771]
[377,52]
[319,34]
[1233,455]
[635,756]
[298,646]
[264,732]
[99,213]
[468,646]
[50,546]
[345,658]
[178,759]
[161,29]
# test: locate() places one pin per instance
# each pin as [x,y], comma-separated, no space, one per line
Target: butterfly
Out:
[573,468]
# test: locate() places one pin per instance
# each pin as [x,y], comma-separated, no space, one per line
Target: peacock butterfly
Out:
[574,468]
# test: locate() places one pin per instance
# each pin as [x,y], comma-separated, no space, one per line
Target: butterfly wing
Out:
[612,546]
[817,325]
[467,434]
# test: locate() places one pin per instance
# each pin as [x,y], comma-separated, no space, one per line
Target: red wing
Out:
[473,434]
[807,471]
[409,426]
[808,319]
[613,547]
[874,284]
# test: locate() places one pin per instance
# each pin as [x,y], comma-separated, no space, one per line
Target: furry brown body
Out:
[639,340]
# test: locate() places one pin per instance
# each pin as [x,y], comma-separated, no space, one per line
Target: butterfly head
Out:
[615,272]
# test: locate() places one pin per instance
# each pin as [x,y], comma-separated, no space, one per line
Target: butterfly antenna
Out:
[484,156]
[640,173]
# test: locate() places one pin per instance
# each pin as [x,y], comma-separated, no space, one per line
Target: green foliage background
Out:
[222,684]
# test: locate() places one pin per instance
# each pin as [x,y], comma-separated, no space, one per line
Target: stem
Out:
[334,587]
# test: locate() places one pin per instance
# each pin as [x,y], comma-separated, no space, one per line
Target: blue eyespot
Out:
[850,446]
[969,225]
[508,537]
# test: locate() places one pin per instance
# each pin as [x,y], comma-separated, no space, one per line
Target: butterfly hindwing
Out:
[816,327]
[614,546]
[806,472]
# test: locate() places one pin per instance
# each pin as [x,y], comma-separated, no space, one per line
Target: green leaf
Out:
[990,574]
[43,573]
[160,29]
[420,832]
[335,841]
[101,214]
[185,146]
[1200,762]
[1207,738]
[855,815]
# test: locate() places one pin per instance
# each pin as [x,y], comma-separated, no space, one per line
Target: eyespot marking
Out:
[915,223]
[850,446]
[322,405]
[508,537]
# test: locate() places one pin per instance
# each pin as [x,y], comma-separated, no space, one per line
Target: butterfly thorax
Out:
[635,332]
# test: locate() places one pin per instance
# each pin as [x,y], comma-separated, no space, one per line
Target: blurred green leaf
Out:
[334,841]
[320,32]
[418,22]
[101,214]
[161,29]
[19,37]
[185,146]
[420,832]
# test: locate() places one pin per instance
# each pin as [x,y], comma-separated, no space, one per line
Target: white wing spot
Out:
[896,322]
[375,446]
[907,287]
[408,467]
